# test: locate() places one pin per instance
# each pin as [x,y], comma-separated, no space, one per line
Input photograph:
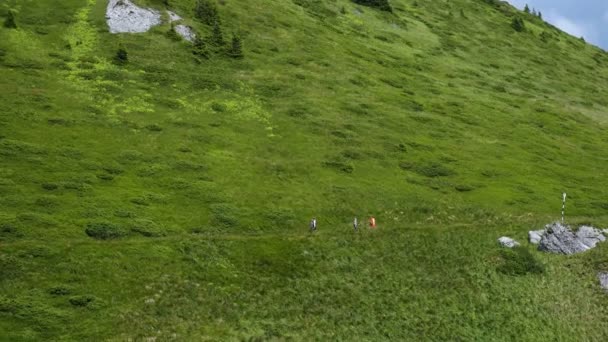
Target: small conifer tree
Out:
[206,11]
[236,47]
[172,34]
[199,48]
[527,9]
[383,5]
[518,24]
[122,56]
[217,37]
[11,21]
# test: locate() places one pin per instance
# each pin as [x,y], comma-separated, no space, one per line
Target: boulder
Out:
[123,16]
[590,236]
[507,242]
[561,239]
[534,236]
[186,32]
[603,277]
[173,16]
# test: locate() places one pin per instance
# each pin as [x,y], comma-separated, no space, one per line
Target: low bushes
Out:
[519,261]
[104,231]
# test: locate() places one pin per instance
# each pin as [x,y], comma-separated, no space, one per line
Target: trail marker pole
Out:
[563,205]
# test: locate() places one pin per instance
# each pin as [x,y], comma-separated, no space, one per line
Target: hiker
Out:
[372,222]
[313,224]
[355,224]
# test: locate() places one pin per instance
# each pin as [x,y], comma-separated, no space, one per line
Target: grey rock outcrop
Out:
[590,236]
[173,16]
[561,239]
[186,32]
[507,242]
[123,16]
[534,236]
[603,277]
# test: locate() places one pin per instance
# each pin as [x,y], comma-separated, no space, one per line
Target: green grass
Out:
[169,197]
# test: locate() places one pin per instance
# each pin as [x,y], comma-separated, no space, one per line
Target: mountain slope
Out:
[438,118]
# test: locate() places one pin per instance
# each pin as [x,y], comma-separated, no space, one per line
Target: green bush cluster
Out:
[383,5]
[519,261]
[104,231]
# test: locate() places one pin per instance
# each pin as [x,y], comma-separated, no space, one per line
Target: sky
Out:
[580,18]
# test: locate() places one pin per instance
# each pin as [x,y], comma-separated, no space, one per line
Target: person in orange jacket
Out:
[372,222]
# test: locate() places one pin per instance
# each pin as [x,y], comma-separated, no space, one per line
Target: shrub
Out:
[199,48]
[10,267]
[147,228]
[140,201]
[104,231]
[383,5]
[10,21]
[154,128]
[206,11]
[280,217]
[225,214]
[433,170]
[122,56]
[9,229]
[464,188]
[82,300]
[218,107]
[545,36]
[217,37]
[236,48]
[519,261]
[172,34]
[60,290]
[518,24]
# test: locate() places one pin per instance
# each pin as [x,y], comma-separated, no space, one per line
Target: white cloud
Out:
[569,26]
[575,28]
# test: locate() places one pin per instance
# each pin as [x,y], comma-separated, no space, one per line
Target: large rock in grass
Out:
[507,242]
[590,236]
[123,16]
[186,32]
[561,239]
[603,277]
[534,236]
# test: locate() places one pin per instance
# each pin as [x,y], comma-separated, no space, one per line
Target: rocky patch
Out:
[123,16]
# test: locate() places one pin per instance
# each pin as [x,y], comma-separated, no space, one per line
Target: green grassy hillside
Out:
[201,174]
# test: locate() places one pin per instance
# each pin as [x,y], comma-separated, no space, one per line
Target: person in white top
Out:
[313,224]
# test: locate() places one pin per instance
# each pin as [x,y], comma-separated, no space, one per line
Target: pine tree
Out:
[236,47]
[527,9]
[10,20]
[199,48]
[217,37]
[206,11]
[540,15]
[545,36]
[518,24]
[172,34]
[383,5]
[122,56]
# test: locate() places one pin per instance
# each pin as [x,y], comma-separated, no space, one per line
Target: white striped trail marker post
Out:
[563,205]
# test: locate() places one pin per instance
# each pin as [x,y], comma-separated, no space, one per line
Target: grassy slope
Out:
[451,130]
